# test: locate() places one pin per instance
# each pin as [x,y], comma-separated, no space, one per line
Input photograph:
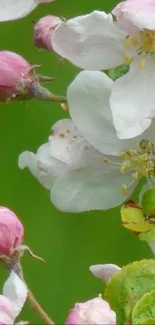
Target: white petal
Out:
[68,146]
[90,189]
[88,99]
[15,289]
[90,42]
[133,100]
[104,271]
[48,167]
[28,159]
[15,9]
[42,165]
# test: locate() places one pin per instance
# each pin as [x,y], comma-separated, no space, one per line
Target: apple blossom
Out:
[16,9]
[84,164]
[95,311]
[95,42]
[43,30]
[19,81]
[11,231]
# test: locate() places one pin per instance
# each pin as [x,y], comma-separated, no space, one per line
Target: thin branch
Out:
[39,310]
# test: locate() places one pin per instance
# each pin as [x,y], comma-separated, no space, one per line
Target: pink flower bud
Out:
[11,231]
[43,31]
[95,311]
[19,81]
[6,311]
[14,75]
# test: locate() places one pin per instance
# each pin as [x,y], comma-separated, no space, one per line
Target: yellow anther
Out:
[106,159]
[149,147]
[150,165]
[100,295]
[141,63]
[126,164]
[123,155]
[132,152]
[134,42]
[144,157]
[124,189]
[135,176]
[148,41]
[127,59]
[127,43]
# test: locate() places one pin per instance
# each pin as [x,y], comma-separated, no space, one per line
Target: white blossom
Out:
[96,42]
[84,164]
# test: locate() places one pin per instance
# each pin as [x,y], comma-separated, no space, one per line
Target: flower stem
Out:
[44,94]
[16,266]
[39,310]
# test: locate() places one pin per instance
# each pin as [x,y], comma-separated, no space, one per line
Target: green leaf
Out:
[128,286]
[144,311]
[148,202]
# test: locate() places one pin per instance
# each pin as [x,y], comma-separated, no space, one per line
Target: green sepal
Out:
[133,219]
[128,286]
[148,236]
[144,311]
[117,72]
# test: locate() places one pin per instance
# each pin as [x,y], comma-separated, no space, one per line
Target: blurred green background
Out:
[69,243]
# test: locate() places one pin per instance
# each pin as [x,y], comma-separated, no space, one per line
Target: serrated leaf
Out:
[148,202]
[144,311]
[128,286]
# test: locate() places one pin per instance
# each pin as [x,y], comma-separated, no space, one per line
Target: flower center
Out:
[139,163]
[147,38]
[143,44]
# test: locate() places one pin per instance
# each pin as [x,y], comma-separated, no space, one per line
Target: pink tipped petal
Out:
[15,289]
[90,42]
[6,311]
[128,26]
[104,271]
[140,13]
[95,311]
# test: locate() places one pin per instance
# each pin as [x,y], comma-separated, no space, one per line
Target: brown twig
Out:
[39,310]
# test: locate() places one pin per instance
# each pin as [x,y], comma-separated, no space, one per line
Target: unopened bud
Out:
[43,31]
[11,231]
[95,311]
[19,81]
